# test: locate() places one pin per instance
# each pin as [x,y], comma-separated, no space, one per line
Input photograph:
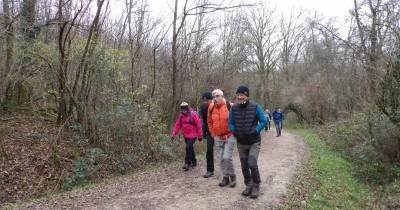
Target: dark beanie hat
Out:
[207,95]
[243,90]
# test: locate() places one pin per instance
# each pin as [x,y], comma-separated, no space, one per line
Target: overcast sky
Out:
[328,8]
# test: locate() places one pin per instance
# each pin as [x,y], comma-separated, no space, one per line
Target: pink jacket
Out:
[189,130]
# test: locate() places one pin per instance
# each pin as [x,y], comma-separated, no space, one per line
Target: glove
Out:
[172,138]
[200,139]
[204,135]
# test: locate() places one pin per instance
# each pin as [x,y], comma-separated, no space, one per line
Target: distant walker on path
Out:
[278,117]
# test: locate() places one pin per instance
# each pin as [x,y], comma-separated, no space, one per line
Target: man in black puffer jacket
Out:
[246,121]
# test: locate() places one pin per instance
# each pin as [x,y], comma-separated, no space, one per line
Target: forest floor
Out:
[172,188]
[27,161]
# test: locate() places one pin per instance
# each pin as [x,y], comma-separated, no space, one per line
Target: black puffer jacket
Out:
[245,120]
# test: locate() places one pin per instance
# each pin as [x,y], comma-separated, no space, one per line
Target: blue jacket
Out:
[277,116]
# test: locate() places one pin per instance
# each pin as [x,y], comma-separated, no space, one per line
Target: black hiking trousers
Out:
[190,157]
[210,153]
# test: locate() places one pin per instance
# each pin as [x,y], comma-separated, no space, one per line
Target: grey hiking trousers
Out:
[225,149]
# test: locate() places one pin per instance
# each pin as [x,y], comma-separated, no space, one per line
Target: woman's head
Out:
[184,107]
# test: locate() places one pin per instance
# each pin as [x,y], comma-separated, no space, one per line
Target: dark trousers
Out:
[278,126]
[210,153]
[248,159]
[190,156]
[268,126]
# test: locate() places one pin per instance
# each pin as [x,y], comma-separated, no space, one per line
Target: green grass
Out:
[325,181]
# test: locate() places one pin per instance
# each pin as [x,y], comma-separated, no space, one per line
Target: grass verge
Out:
[325,181]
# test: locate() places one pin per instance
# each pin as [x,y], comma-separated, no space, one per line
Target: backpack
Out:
[191,116]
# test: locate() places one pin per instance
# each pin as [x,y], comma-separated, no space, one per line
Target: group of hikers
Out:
[225,124]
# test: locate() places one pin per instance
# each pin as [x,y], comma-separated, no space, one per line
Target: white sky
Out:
[328,8]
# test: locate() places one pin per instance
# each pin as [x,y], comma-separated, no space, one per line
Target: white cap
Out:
[184,104]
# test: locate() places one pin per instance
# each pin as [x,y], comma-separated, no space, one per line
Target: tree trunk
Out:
[62,101]
[9,34]
[28,19]
[174,64]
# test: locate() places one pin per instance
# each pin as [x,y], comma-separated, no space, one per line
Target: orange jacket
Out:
[217,120]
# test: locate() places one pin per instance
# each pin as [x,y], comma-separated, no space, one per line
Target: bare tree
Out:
[178,24]
[372,32]
[264,41]
[64,46]
[292,33]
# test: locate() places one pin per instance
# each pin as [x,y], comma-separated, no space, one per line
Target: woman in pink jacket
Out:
[190,123]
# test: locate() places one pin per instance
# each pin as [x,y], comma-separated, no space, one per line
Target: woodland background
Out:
[87,94]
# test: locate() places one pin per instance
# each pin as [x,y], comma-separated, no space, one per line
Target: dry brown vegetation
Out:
[29,167]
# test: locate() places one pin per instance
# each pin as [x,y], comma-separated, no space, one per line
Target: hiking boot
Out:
[192,165]
[185,166]
[233,181]
[224,182]
[208,174]
[255,191]
[247,191]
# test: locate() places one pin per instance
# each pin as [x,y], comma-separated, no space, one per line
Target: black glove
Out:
[204,135]
[200,139]
[172,138]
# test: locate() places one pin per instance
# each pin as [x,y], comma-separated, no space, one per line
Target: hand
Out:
[200,139]
[234,134]
[253,134]
[224,137]
[172,138]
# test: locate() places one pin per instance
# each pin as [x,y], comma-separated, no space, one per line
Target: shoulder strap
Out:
[228,104]
[190,117]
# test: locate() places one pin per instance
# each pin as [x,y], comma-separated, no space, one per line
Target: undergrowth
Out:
[326,181]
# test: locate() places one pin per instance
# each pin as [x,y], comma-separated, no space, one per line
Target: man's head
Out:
[217,95]
[207,98]
[184,108]
[242,94]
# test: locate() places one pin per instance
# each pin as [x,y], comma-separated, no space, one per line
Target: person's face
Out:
[241,97]
[217,98]
[279,110]
[184,111]
[207,101]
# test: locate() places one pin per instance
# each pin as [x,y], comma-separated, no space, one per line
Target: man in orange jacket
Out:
[217,119]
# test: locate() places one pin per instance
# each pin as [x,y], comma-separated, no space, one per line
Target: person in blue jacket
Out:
[278,118]
[246,121]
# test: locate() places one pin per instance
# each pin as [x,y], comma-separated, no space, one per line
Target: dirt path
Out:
[174,189]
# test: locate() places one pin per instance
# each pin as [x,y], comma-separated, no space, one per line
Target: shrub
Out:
[78,176]
[370,141]
[132,133]
[83,169]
